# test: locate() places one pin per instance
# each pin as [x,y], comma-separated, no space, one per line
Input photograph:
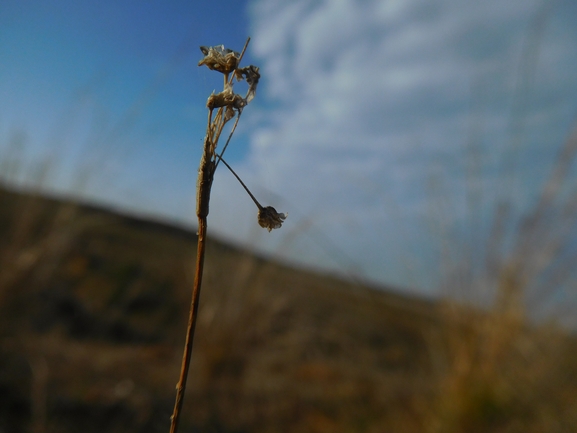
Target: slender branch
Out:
[241,55]
[241,182]
[219,157]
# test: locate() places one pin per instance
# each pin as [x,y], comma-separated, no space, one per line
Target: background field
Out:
[94,306]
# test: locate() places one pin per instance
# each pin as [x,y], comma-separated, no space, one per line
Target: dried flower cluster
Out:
[229,104]
[219,58]
[226,61]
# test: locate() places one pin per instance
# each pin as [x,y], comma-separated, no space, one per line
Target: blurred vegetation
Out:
[93,310]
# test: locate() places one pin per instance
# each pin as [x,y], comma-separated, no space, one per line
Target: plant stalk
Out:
[204,184]
[206,171]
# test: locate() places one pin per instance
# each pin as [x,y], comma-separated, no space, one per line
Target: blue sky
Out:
[386,129]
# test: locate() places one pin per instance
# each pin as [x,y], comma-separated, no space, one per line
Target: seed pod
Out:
[269,218]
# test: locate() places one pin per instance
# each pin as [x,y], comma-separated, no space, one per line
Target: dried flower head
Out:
[269,218]
[219,58]
[226,98]
[223,60]
[251,74]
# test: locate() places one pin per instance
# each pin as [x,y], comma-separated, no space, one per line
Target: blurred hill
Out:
[93,308]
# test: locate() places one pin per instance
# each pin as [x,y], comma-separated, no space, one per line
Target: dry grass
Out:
[96,346]
[503,367]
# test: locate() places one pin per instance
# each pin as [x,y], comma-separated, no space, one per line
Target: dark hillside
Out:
[93,310]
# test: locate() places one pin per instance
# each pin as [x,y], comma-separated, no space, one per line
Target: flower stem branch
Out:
[268,217]
[241,182]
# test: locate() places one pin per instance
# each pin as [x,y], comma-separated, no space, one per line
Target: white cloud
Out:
[365,93]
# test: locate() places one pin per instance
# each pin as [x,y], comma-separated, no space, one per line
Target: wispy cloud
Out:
[365,101]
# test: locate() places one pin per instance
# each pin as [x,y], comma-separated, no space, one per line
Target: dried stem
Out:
[219,157]
[203,196]
[241,182]
[228,105]
[216,58]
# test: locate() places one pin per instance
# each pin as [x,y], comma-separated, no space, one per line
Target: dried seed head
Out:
[269,218]
[219,58]
[251,75]
[226,98]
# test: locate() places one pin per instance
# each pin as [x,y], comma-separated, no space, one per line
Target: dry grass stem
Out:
[228,105]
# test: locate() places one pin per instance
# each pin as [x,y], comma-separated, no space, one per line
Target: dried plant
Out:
[227,105]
